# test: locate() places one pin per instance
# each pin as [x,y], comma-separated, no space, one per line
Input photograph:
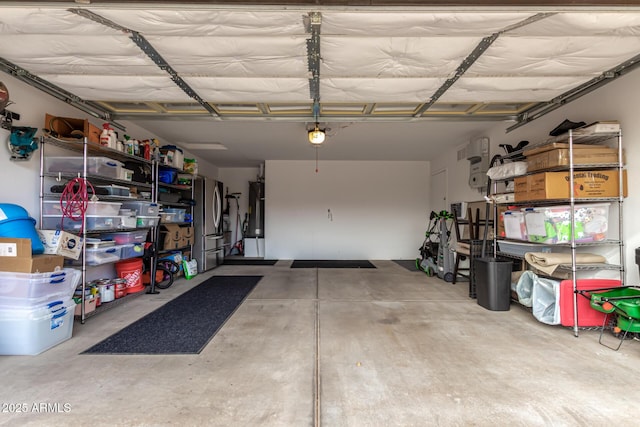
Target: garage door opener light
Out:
[317,135]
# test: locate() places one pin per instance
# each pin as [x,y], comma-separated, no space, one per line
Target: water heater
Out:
[477,153]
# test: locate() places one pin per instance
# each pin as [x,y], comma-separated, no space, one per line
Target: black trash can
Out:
[493,283]
[638,258]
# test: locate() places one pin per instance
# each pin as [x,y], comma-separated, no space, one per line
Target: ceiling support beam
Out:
[88,107]
[151,52]
[472,57]
[325,117]
[462,68]
[543,108]
[314,21]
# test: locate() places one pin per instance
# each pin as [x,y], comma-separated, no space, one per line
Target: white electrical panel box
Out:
[478,156]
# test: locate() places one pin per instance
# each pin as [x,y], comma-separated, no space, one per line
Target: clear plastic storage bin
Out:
[97,256]
[31,331]
[142,208]
[552,224]
[28,290]
[52,207]
[168,217]
[514,226]
[102,166]
[125,237]
[94,223]
[147,221]
[128,221]
[179,213]
[132,250]
[116,190]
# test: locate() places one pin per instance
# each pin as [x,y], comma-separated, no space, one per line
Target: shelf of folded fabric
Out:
[564,271]
[521,257]
[579,267]
[559,265]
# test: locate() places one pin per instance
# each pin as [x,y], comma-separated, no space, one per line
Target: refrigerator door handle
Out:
[217,207]
[212,242]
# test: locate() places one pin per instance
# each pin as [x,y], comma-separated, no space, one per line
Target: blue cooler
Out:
[16,223]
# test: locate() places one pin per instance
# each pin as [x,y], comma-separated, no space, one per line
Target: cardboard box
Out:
[183,242]
[89,306]
[58,242]
[171,236]
[585,155]
[521,188]
[72,129]
[555,185]
[168,243]
[15,256]
[187,236]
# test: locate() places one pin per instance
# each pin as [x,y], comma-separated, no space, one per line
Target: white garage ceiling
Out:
[388,82]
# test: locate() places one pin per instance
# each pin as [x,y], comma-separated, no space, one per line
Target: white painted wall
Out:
[616,101]
[348,210]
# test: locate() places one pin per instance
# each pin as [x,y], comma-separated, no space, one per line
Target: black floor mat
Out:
[240,261]
[409,264]
[185,324]
[307,263]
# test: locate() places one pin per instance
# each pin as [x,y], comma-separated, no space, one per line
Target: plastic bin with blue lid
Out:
[16,223]
[99,256]
[178,213]
[29,290]
[30,331]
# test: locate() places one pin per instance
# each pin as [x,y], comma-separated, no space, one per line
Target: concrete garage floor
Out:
[335,347]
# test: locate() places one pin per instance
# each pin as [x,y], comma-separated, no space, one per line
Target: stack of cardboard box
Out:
[174,236]
[555,185]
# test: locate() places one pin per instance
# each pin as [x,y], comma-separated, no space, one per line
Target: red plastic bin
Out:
[587,316]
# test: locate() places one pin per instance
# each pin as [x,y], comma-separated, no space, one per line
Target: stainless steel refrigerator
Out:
[208,249]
